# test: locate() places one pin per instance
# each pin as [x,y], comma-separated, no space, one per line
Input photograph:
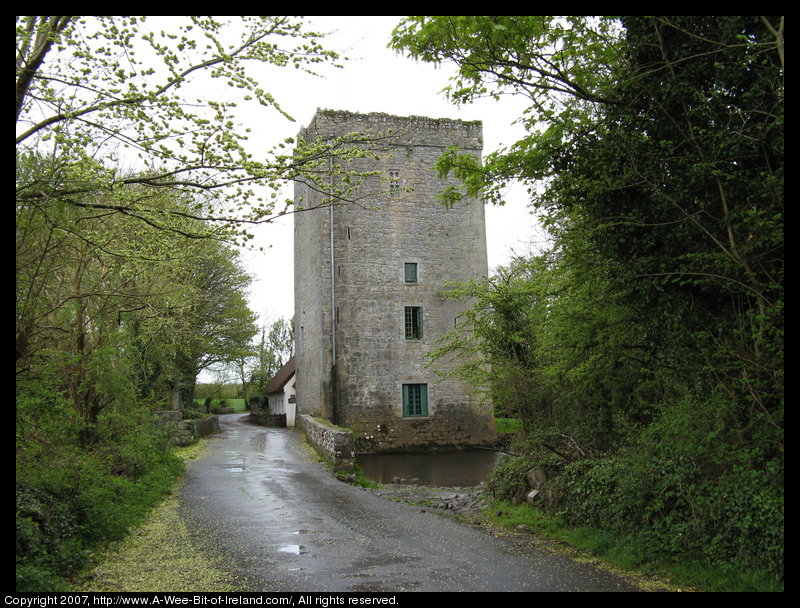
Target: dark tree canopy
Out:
[645,348]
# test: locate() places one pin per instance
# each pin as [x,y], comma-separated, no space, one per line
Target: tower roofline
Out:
[402,130]
[378,115]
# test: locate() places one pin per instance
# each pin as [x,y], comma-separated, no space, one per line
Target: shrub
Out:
[734,521]
[689,489]
[47,540]
[508,480]
[70,498]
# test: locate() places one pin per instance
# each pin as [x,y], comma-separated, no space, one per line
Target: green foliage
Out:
[645,348]
[507,425]
[356,478]
[563,65]
[47,541]
[215,391]
[668,508]
[127,285]
[273,350]
[556,349]
[237,404]
[110,320]
[131,88]
[507,480]
[70,499]
[513,516]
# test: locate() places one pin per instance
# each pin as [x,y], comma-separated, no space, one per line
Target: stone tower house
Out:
[368,278]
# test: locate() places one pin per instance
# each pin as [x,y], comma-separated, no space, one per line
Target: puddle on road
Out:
[293,549]
[464,468]
[234,463]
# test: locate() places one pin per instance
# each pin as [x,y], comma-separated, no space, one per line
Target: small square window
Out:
[411,272]
[413,322]
[415,400]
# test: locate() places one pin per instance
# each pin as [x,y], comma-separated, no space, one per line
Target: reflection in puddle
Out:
[464,468]
[235,462]
[293,549]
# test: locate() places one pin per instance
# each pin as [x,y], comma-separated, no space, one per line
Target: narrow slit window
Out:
[394,182]
[413,322]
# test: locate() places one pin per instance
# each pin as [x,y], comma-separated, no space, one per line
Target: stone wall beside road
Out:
[333,443]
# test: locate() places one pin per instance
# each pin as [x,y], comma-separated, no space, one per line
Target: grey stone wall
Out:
[333,443]
[184,432]
[268,419]
[205,426]
[372,241]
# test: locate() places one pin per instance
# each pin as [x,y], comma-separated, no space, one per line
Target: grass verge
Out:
[620,556]
[158,555]
[536,529]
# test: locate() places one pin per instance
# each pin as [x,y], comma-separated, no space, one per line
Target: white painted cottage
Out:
[280,393]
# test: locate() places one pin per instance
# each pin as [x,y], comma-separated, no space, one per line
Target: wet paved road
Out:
[285,523]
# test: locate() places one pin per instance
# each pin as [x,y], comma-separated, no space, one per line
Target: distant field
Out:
[236,404]
[507,425]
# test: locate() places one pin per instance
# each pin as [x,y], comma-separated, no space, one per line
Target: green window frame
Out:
[415,400]
[413,322]
[411,272]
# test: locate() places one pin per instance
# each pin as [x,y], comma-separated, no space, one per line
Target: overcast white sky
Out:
[375,79]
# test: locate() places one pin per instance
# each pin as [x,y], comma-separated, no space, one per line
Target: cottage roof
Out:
[281,378]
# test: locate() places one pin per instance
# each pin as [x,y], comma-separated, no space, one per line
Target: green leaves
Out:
[653,330]
[563,65]
[537,56]
[134,92]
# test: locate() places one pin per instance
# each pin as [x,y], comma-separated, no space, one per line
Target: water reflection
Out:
[465,468]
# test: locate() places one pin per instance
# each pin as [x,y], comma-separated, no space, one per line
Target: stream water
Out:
[464,468]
